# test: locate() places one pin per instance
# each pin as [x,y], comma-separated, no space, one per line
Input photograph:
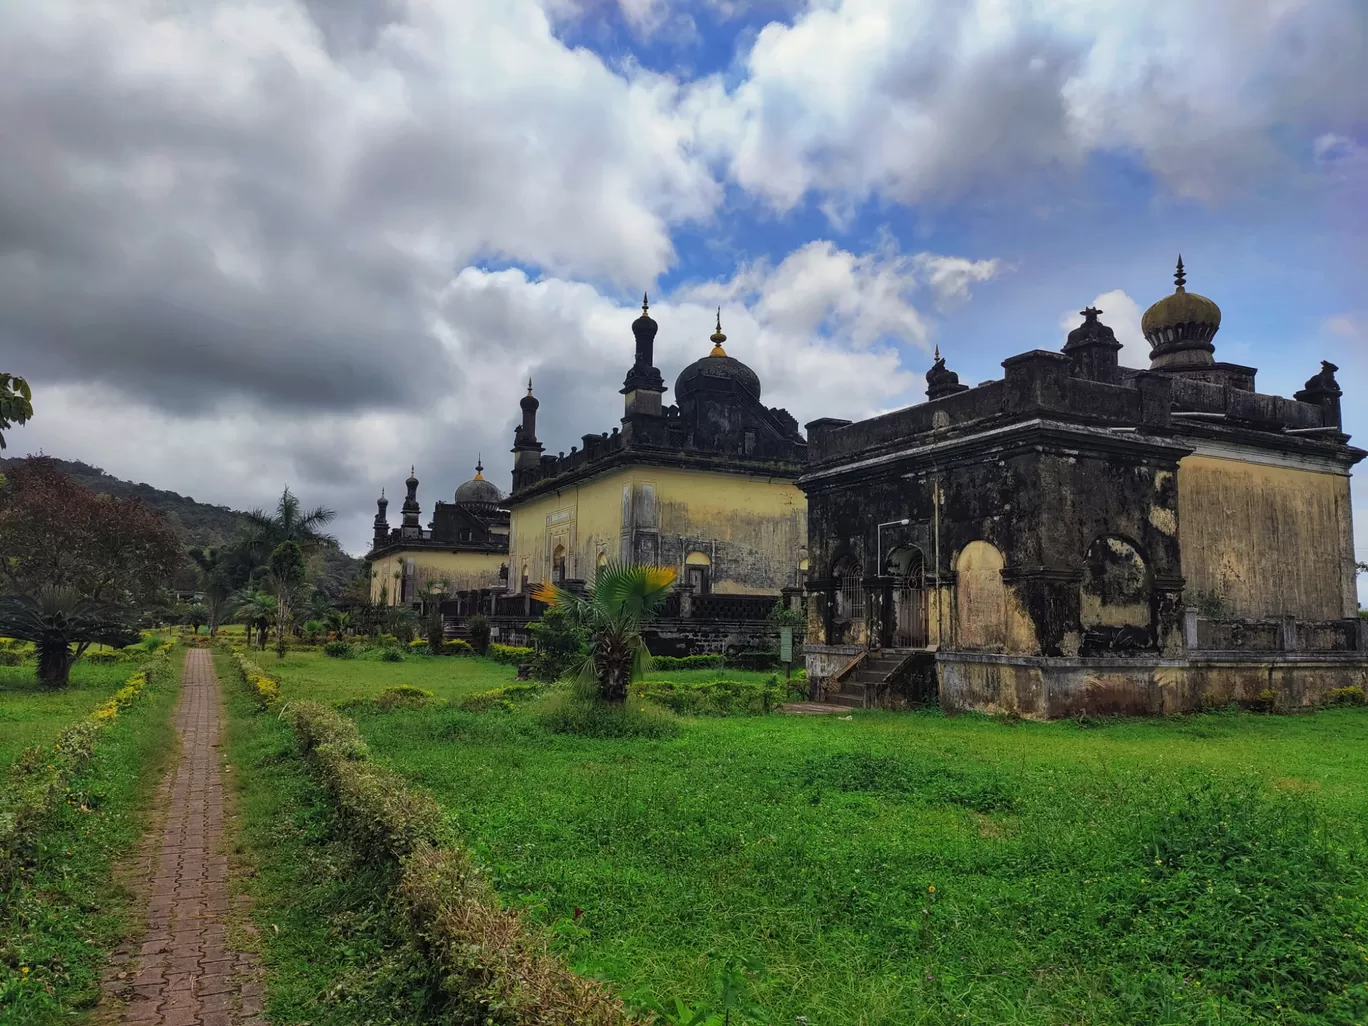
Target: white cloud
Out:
[911,100]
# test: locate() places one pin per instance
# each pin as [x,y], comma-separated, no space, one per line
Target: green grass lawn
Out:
[909,868]
[67,910]
[30,715]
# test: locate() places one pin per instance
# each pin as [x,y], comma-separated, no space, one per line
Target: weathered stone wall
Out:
[1266,540]
[1038,688]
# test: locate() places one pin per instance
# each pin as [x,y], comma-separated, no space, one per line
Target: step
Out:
[847,701]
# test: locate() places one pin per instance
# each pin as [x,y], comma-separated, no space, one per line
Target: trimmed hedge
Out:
[719,697]
[500,698]
[39,778]
[693,662]
[494,966]
[512,655]
[263,686]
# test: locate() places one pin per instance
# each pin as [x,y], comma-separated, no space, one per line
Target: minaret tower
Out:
[381,523]
[526,449]
[411,510]
[643,386]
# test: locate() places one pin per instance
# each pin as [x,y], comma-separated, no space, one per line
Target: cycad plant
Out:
[614,610]
[55,620]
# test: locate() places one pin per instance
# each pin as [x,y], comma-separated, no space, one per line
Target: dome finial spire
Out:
[938,355]
[1179,279]
[529,385]
[717,337]
[479,467]
[645,305]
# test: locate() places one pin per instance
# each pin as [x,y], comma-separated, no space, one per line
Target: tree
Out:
[287,575]
[478,626]
[195,616]
[264,532]
[337,622]
[54,533]
[433,594]
[57,619]
[219,570]
[16,403]
[258,612]
[614,610]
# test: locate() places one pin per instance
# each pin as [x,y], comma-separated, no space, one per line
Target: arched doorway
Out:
[848,606]
[558,564]
[698,572]
[906,621]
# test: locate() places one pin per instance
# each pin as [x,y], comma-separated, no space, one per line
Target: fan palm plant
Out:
[614,610]
[337,621]
[258,611]
[57,619]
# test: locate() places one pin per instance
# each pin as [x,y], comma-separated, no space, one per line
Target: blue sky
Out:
[325,239]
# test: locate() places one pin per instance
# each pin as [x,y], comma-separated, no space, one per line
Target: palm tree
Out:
[258,611]
[289,521]
[57,619]
[614,609]
[337,621]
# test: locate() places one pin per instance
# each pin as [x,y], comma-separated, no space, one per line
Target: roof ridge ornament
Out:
[717,337]
[1179,279]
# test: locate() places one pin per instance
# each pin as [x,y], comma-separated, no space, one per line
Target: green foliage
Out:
[693,662]
[478,626]
[618,604]
[510,655]
[457,647]
[560,644]
[570,713]
[16,403]
[339,650]
[390,655]
[1345,696]
[718,697]
[61,624]
[501,698]
[314,631]
[1208,603]
[759,659]
[67,908]
[195,616]
[782,616]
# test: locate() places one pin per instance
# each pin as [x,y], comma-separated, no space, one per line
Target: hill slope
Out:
[199,524]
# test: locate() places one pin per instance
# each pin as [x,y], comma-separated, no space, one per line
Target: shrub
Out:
[715,697]
[313,631]
[337,650]
[693,662]
[405,695]
[40,777]
[500,698]
[1345,696]
[753,660]
[457,647]
[264,687]
[568,713]
[418,645]
[511,655]
[487,960]
[561,644]
[103,658]
[391,655]
[9,657]
[478,626]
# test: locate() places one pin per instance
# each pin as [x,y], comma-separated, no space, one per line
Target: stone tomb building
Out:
[707,485]
[1081,537]
[465,545]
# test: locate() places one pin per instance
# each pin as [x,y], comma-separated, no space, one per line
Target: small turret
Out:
[941,382]
[411,510]
[1093,348]
[381,522]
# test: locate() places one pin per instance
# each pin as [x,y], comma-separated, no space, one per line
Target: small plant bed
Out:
[901,868]
[32,715]
[63,909]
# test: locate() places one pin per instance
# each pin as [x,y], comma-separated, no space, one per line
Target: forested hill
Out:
[200,524]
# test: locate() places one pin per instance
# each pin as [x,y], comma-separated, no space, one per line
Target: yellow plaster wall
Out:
[753,529]
[464,571]
[1266,540]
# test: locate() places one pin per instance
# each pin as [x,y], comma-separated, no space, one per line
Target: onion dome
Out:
[529,401]
[477,491]
[644,375]
[382,503]
[717,368]
[644,328]
[1180,327]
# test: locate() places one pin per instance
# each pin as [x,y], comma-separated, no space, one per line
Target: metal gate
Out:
[850,595]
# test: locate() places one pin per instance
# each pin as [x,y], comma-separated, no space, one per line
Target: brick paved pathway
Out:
[182,973]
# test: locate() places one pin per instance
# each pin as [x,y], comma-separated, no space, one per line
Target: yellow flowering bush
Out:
[263,685]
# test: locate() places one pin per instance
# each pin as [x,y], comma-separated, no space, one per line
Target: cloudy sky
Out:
[256,242]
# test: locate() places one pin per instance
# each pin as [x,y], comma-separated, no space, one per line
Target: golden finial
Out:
[479,467]
[645,306]
[717,337]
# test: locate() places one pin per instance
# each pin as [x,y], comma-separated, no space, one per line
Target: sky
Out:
[252,243]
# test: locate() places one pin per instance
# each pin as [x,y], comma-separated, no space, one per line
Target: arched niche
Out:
[980,597]
[1116,587]
[698,572]
[558,564]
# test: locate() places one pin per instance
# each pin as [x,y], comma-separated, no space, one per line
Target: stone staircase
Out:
[859,688]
